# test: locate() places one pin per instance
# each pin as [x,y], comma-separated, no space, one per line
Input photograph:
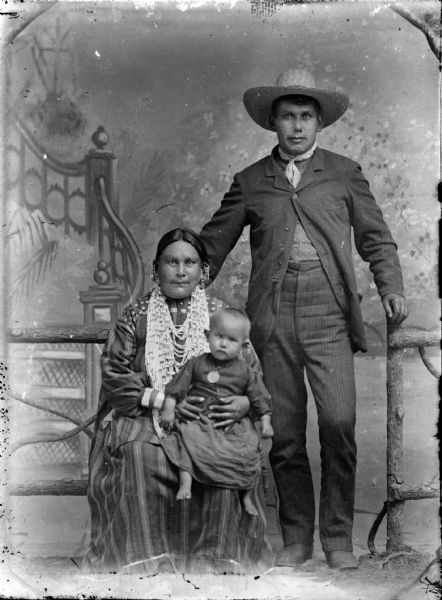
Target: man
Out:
[301,203]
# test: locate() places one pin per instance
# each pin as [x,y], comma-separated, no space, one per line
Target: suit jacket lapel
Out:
[272,169]
[311,173]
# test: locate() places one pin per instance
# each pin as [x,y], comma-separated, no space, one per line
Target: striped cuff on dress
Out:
[152,398]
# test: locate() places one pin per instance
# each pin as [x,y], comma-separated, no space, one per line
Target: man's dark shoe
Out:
[338,559]
[294,554]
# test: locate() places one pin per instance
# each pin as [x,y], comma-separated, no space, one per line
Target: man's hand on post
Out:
[396,308]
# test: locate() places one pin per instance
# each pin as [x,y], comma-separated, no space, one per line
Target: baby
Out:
[227,458]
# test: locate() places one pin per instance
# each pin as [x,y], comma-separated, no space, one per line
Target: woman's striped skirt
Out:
[138,526]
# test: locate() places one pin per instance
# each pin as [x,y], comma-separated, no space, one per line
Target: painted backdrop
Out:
[167,83]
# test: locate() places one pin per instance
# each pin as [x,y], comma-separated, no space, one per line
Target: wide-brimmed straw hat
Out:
[258,100]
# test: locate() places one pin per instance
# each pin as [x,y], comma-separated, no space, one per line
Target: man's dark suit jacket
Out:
[332,198]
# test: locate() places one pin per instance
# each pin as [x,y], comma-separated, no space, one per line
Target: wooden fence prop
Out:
[398,492]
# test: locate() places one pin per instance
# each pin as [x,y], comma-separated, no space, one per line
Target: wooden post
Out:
[395,417]
[99,162]
[101,302]
[100,308]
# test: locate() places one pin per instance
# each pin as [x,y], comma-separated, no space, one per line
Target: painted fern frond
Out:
[26,230]
[31,251]
[148,188]
[33,271]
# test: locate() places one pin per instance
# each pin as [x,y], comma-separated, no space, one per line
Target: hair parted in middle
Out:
[182,234]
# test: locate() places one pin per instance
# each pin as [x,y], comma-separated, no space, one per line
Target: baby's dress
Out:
[212,456]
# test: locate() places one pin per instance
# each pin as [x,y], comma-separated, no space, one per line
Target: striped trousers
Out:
[312,337]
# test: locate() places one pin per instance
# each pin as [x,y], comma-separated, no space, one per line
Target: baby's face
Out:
[226,337]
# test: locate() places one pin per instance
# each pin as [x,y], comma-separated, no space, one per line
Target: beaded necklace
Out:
[169,346]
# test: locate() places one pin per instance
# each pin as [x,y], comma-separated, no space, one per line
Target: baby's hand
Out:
[266,427]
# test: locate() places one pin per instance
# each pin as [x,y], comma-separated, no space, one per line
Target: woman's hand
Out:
[189,409]
[229,410]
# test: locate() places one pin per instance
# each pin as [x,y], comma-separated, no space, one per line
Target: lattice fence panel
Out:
[51,453]
[58,382]
[63,373]
[73,408]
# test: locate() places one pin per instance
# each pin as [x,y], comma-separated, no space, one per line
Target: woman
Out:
[137,525]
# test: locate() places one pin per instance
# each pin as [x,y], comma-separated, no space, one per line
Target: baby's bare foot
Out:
[249,507]
[183,494]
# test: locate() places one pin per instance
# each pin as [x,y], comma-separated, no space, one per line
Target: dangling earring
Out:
[154,276]
[204,281]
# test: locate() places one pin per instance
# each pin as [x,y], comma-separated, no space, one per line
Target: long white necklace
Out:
[169,346]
